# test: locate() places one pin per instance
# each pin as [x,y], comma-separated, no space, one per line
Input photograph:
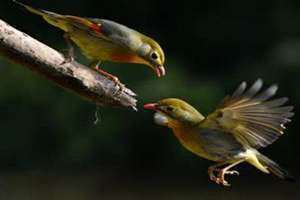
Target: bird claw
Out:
[68,59]
[120,85]
[233,172]
[69,55]
[222,182]
[220,179]
[221,176]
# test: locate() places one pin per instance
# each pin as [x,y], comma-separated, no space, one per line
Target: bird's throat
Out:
[161,119]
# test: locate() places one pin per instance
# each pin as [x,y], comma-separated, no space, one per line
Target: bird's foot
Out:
[218,180]
[223,182]
[112,78]
[68,59]
[221,176]
[69,55]
[119,84]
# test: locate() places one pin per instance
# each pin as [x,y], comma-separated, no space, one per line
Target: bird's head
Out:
[153,55]
[171,111]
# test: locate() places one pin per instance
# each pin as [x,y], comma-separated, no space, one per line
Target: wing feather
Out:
[118,33]
[251,116]
[240,90]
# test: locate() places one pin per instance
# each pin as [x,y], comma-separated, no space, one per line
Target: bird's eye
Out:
[154,55]
[220,115]
[170,109]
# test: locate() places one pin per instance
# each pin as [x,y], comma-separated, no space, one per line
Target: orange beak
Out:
[151,106]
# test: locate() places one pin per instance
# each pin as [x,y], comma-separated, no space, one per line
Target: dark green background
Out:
[51,149]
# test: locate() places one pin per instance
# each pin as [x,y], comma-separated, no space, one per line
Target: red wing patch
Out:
[96,27]
[85,23]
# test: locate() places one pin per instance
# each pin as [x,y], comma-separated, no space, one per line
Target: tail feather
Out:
[31,9]
[274,168]
[51,17]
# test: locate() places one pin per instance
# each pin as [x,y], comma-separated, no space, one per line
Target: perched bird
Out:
[105,40]
[233,133]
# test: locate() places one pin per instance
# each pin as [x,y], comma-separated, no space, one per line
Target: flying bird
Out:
[104,40]
[244,122]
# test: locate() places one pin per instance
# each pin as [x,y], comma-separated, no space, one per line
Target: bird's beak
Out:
[160,71]
[150,106]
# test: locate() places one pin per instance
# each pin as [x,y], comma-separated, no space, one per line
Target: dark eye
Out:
[220,115]
[154,55]
[170,109]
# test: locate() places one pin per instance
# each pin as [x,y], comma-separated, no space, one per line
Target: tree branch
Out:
[36,56]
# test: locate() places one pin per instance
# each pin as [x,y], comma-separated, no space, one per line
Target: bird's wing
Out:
[103,29]
[218,144]
[251,116]
[108,30]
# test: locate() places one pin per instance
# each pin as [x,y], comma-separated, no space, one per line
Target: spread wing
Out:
[251,116]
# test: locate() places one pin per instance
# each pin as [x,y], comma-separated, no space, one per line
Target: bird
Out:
[243,123]
[103,40]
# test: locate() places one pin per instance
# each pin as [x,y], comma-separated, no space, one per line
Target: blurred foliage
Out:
[211,46]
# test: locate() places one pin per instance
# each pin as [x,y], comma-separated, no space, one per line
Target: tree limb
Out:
[25,50]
